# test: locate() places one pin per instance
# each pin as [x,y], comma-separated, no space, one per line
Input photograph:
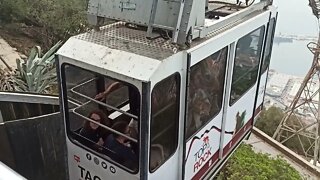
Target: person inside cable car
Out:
[211,81]
[93,132]
[246,54]
[198,112]
[133,128]
[134,101]
[120,146]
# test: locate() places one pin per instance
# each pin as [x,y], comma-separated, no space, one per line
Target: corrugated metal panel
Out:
[17,110]
[38,147]
[6,155]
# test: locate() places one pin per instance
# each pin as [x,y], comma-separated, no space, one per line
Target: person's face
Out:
[197,79]
[203,108]
[96,118]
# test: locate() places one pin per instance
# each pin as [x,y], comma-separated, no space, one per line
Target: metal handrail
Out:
[105,104]
[104,126]
[29,98]
[162,109]
[81,84]
[32,98]
[162,132]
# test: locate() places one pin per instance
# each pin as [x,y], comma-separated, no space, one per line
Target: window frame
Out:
[178,82]
[258,65]
[270,38]
[74,137]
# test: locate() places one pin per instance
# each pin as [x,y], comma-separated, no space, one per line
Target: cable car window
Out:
[106,119]
[268,45]
[246,63]
[205,90]
[165,101]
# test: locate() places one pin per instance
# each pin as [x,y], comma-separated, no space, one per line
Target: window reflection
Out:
[246,63]
[268,46]
[165,120]
[205,90]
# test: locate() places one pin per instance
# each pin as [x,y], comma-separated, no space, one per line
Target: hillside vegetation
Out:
[245,164]
[44,21]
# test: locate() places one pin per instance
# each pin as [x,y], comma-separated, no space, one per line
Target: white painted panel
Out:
[201,147]
[81,167]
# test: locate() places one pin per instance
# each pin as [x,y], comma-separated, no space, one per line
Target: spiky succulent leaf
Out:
[36,74]
[39,74]
[51,51]
[30,61]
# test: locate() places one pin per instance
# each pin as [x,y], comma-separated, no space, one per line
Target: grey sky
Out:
[296,18]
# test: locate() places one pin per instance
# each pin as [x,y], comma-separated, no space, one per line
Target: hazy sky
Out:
[296,18]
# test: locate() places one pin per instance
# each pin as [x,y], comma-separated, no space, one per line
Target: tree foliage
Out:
[269,120]
[245,164]
[55,19]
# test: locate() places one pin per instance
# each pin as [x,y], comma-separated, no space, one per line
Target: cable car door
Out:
[204,112]
[265,62]
[244,80]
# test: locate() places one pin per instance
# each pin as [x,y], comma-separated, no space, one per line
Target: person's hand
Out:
[100,96]
[127,144]
[100,142]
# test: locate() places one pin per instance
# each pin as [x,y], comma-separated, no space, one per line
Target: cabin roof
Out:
[125,50]
[125,37]
[120,36]
[118,61]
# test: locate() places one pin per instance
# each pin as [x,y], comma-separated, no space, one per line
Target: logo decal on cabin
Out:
[203,154]
[239,121]
[87,175]
[196,138]
[76,158]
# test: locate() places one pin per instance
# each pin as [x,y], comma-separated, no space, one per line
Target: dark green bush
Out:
[245,164]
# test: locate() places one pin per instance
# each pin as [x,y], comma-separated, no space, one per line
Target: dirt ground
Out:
[19,37]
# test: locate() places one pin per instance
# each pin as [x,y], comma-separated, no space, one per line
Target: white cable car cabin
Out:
[147,109]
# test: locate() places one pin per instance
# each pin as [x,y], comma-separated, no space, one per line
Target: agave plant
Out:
[37,73]
[6,80]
